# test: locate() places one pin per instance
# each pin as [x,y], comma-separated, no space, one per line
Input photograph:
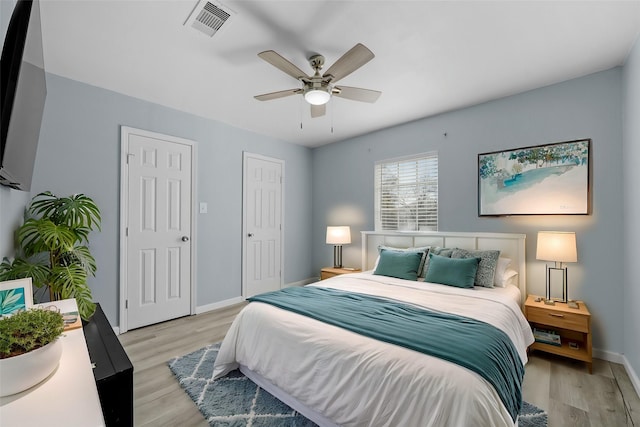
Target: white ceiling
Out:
[431,57]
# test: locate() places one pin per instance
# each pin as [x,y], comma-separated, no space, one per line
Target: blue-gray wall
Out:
[588,107]
[631,89]
[79,152]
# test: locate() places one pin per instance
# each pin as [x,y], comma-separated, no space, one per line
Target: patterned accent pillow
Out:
[423,249]
[486,267]
[436,250]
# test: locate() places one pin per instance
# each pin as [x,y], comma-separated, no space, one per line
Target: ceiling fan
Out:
[318,89]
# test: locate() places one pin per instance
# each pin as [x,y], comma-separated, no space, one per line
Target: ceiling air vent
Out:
[209,17]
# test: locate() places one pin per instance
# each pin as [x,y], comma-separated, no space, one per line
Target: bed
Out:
[337,377]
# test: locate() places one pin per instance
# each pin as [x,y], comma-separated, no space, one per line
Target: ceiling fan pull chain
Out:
[332,108]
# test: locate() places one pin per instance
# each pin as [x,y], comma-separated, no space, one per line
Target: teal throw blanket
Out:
[467,342]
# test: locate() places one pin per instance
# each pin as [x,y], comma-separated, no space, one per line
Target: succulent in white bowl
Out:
[29,348]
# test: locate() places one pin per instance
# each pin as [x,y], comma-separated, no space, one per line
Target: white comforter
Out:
[358,381]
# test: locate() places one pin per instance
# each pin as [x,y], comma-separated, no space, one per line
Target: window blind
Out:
[406,193]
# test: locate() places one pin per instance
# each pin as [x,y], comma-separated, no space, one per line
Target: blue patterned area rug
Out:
[235,401]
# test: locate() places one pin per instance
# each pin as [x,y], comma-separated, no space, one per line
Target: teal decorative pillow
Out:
[403,265]
[424,250]
[487,267]
[460,272]
[436,250]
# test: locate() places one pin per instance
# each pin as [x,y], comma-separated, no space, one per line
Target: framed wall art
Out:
[15,295]
[551,179]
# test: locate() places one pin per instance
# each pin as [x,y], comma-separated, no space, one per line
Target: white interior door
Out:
[157,237]
[262,213]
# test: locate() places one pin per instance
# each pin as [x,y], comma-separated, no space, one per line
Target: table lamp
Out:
[560,247]
[338,236]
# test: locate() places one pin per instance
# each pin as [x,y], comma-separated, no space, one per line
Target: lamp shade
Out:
[340,235]
[559,246]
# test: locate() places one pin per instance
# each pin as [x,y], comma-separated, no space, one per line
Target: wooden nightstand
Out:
[327,272]
[573,325]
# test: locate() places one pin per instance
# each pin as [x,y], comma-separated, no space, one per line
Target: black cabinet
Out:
[112,370]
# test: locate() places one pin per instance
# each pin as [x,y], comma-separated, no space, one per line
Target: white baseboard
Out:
[220,304]
[609,356]
[232,301]
[301,282]
[204,308]
[633,376]
[621,359]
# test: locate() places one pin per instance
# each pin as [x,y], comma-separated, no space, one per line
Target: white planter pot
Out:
[19,373]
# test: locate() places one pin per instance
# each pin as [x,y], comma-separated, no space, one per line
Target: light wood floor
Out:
[563,388]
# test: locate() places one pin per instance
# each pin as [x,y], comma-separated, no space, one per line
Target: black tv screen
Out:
[23,91]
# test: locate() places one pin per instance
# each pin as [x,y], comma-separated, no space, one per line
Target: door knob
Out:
[250,234]
[185,239]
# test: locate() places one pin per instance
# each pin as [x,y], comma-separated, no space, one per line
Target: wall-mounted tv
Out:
[23,91]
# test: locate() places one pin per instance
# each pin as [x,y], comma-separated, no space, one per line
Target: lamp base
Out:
[565,292]
[337,256]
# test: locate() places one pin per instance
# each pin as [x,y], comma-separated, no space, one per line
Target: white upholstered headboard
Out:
[510,246]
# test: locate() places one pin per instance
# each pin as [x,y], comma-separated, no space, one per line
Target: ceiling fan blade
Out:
[356,93]
[276,95]
[318,110]
[282,64]
[348,63]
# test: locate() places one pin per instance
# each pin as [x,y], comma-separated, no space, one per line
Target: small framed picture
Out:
[15,295]
[71,320]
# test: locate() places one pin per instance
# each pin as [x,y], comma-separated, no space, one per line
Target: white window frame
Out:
[419,171]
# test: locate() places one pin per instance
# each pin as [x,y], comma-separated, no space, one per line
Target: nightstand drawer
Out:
[328,272]
[559,319]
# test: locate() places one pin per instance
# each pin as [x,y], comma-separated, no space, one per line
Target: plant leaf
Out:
[71,282]
[43,203]
[65,278]
[36,268]
[74,211]
[82,233]
[86,307]
[40,235]
[80,255]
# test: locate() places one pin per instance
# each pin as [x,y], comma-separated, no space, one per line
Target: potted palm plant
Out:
[53,248]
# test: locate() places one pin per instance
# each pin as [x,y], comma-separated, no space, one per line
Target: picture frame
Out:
[549,179]
[15,295]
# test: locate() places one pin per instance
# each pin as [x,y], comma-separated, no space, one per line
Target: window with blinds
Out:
[406,196]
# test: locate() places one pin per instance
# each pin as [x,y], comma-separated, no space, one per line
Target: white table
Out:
[68,397]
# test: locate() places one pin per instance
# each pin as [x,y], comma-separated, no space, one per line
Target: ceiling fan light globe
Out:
[317,97]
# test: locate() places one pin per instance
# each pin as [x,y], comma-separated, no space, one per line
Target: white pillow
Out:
[510,277]
[501,267]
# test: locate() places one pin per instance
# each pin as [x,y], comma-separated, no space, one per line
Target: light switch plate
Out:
[203,207]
